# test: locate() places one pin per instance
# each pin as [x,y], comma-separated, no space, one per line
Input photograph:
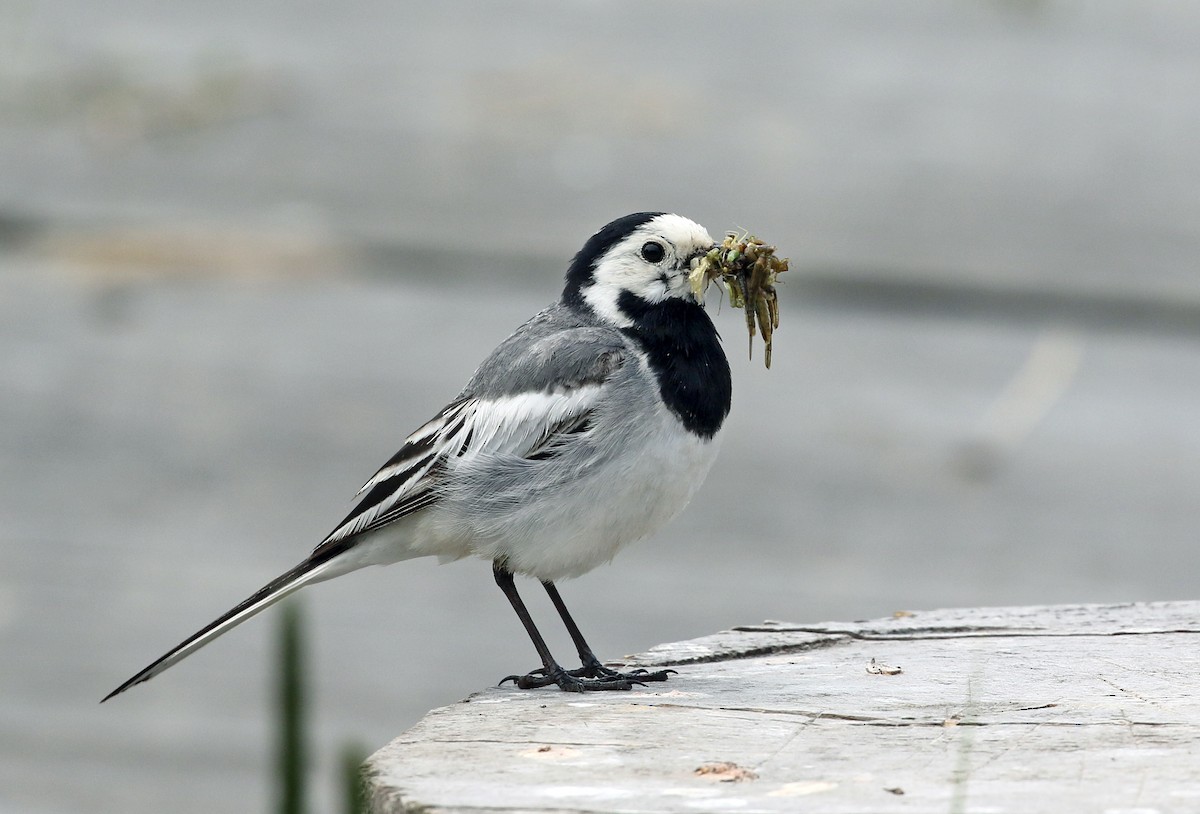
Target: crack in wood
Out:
[947,629]
[875,720]
[961,632]
[780,649]
[839,636]
[521,743]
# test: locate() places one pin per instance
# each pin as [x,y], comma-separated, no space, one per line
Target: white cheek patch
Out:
[603,301]
[623,269]
[616,275]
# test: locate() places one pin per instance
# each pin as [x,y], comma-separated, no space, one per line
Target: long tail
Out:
[304,573]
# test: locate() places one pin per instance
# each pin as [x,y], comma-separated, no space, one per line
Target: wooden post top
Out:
[1087,708]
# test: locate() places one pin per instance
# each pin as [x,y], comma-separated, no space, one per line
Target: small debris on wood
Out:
[725,772]
[550,752]
[876,668]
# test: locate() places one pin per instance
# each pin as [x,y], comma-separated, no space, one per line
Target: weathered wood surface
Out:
[1042,709]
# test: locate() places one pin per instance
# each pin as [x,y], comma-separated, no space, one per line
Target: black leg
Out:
[551,672]
[592,667]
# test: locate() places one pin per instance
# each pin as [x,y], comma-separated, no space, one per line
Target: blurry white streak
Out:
[1033,390]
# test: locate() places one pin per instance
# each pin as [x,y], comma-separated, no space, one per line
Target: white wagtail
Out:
[590,427]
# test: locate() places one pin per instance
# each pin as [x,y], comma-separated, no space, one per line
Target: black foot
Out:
[592,668]
[592,676]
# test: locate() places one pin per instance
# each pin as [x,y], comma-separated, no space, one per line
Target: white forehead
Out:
[684,234]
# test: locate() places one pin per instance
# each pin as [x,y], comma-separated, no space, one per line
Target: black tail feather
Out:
[275,590]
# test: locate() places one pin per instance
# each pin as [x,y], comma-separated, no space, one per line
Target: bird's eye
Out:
[653,252]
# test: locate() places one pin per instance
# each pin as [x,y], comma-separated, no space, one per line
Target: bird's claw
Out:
[566,682]
[588,678]
[594,669]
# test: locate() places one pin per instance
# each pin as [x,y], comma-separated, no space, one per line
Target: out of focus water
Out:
[247,248]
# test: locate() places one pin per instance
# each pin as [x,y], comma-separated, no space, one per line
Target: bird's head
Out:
[647,255]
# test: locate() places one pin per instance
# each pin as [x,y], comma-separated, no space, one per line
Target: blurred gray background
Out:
[247,247]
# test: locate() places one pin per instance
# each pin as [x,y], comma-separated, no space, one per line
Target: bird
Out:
[589,428]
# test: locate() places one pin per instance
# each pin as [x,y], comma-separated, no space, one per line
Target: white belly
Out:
[584,520]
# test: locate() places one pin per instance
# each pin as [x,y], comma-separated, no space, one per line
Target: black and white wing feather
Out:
[409,480]
[550,385]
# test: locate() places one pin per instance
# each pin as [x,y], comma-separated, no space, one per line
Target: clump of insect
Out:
[748,269]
